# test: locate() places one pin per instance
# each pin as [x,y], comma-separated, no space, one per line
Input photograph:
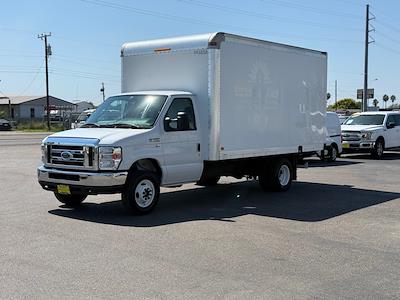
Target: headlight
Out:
[43,148]
[109,158]
[366,135]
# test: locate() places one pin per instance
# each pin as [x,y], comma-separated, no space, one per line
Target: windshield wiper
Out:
[124,125]
[90,125]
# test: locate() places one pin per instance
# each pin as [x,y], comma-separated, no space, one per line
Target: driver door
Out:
[181,142]
[392,134]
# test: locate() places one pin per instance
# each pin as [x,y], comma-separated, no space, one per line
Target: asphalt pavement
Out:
[334,235]
[14,138]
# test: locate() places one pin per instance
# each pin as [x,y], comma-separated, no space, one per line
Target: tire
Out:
[277,177]
[141,193]
[379,148]
[333,153]
[208,180]
[73,200]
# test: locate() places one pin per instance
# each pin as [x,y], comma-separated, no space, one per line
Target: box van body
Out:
[193,109]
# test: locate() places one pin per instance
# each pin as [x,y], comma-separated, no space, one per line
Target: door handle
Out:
[198,147]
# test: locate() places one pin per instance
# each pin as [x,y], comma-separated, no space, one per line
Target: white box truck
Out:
[193,109]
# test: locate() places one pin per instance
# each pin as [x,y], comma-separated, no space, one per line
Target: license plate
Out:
[345,145]
[63,189]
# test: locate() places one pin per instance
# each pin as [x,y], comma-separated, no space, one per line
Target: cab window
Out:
[397,119]
[180,116]
[391,119]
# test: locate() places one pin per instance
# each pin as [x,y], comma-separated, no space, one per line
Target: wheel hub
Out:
[284,175]
[144,193]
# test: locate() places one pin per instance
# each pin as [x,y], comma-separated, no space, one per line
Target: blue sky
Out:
[87,36]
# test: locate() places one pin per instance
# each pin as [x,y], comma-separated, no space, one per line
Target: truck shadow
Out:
[305,202]
[316,163]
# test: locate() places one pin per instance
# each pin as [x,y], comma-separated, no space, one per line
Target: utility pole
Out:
[336,94]
[367,42]
[47,53]
[102,90]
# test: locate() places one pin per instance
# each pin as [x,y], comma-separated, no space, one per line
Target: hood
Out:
[106,135]
[360,127]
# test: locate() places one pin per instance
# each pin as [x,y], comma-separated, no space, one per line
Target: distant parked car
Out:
[5,124]
[373,131]
[82,118]
[333,137]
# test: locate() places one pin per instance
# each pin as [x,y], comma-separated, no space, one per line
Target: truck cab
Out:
[151,131]
[371,132]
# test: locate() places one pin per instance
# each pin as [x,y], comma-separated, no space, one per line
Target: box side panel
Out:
[273,99]
[185,70]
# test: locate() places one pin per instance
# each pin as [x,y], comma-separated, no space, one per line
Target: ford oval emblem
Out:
[66,155]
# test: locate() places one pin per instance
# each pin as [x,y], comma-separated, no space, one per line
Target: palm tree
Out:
[375,102]
[385,99]
[393,98]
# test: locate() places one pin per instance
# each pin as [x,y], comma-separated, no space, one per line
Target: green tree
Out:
[385,99]
[375,102]
[346,103]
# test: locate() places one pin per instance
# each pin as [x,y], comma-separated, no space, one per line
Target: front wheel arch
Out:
[146,164]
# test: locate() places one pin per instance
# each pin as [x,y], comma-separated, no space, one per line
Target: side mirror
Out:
[391,125]
[167,124]
[183,121]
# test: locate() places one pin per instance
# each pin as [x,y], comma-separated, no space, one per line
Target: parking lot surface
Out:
[334,235]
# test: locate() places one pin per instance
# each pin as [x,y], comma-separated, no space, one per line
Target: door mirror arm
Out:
[391,125]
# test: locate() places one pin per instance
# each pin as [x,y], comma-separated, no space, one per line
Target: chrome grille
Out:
[351,136]
[71,156]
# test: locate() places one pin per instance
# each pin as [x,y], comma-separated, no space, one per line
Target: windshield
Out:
[127,111]
[365,120]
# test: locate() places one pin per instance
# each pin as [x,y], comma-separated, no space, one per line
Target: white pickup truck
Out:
[371,132]
[193,109]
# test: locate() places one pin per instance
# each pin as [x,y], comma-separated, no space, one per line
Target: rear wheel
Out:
[378,150]
[277,177]
[71,200]
[333,153]
[141,193]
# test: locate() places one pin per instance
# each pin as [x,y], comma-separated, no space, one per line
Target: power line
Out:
[273,18]
[387,37]
[12,69]
[389,26]
[84,65]
[388,49]
[33,80]
[313,9]
[176,18]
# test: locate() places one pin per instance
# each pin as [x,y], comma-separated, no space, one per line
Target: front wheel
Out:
[73,200]
[377,152]
[277,177]
[333,153]
[141,193]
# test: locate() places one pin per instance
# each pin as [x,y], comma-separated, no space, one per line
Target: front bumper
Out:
[82,182]
[358,146]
